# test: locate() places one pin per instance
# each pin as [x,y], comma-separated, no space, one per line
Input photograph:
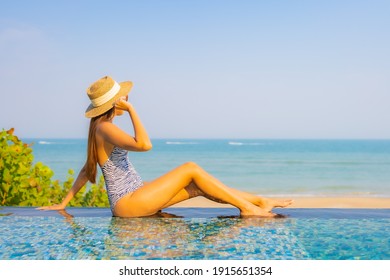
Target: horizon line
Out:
[217,138]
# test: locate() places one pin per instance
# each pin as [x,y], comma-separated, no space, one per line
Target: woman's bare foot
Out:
[257,212]
[267,204]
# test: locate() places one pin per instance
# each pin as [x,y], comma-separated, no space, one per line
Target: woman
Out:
[108,146]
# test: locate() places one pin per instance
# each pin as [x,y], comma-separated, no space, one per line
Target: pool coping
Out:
[194,212]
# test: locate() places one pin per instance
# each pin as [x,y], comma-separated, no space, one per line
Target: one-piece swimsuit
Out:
[120,176]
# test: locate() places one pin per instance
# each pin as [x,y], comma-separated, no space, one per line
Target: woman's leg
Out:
[154,195]
[188,192]
[265,203]
[192,190]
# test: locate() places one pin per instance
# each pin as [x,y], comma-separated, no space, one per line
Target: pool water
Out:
[189,233]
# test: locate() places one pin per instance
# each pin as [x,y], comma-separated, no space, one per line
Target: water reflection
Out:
[168,236]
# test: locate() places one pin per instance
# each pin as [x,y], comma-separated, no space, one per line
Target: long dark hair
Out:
[92,159]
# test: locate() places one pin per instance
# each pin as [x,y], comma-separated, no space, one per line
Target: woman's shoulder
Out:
[105,127]
[109,132]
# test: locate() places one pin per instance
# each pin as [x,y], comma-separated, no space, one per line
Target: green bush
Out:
[23,183]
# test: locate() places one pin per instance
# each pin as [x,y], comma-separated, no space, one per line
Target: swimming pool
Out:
[194,233]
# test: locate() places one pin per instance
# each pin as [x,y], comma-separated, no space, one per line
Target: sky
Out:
[201,69]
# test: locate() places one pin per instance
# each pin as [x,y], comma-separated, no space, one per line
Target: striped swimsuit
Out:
[120,176]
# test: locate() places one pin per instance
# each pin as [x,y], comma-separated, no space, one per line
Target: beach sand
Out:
[305,202]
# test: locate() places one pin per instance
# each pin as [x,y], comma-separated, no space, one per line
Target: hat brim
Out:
[92,111]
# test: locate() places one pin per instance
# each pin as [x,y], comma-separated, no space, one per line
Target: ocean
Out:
[285,168]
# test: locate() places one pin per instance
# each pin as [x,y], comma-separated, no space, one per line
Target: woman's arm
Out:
[140,134]
[77,185]
[114,135]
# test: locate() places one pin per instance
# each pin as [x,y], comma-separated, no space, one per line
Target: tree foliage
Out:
[23,183]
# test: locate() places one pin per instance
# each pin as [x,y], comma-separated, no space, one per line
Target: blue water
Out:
[262,166]
[88,233]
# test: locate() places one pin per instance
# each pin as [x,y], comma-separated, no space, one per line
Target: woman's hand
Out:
[52,207]
[77,185]
[122,104]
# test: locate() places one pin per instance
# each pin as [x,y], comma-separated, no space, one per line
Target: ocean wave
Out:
[45,143]
[180,143]
[246,144]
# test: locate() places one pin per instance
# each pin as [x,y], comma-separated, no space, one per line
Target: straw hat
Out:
[103,93]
